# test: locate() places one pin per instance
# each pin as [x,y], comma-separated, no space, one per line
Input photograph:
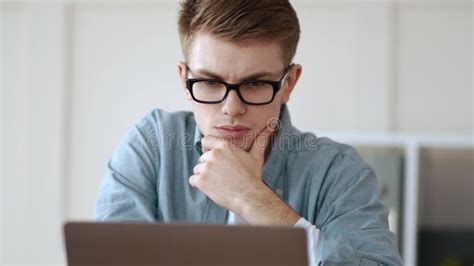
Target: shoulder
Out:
[162,118]
[311,148]
[158,126]
[326,161]
[161,122]
[338,152]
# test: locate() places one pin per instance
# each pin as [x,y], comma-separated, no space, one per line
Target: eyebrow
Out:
[213,75]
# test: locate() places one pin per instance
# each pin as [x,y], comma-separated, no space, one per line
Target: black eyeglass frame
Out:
[276,85]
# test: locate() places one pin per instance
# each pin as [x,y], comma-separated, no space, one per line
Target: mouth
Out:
[235,132]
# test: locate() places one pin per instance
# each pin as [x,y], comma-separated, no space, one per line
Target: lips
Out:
[230,131]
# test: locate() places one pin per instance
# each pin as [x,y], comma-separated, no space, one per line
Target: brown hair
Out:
[238,20]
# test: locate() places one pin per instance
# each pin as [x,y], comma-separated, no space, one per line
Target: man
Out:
[236,158]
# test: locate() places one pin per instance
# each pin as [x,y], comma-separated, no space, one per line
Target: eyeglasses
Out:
[252,92]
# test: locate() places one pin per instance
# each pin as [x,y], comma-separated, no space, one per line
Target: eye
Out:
[257,84]
[211,82]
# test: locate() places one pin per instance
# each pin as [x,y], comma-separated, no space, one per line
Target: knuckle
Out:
[213,154]
[197,180]
[192,181]
[202,179]
[205,167]
[196,168]
[210,165]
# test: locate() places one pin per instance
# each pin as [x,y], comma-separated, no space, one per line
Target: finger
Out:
[210,142]
[193,180]
[197,169]
[261,142]
[205,157]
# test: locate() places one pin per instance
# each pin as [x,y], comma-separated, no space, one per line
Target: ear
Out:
[182,77]
[291,80]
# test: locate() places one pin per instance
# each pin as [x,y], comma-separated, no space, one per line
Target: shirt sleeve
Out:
[128,189]
[352,219]
[312,234]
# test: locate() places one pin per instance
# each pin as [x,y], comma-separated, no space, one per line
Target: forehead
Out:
[233,59]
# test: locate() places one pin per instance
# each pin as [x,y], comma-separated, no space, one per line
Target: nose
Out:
[232,105]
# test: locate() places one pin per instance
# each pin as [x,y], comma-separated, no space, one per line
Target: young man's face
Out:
[232,119]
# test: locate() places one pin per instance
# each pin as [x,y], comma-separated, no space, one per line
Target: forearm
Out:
[266,208]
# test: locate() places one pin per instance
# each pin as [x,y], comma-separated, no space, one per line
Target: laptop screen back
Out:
[183,244]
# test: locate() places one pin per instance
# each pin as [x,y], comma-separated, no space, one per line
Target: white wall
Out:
[124,65]
[76,76]
[32,132]
[345,53]
[434,72]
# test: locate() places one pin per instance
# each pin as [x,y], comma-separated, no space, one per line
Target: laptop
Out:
[125,244]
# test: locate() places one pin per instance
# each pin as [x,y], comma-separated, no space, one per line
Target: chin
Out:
[244,143]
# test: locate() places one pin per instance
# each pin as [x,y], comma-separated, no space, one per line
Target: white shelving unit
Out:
[411,146]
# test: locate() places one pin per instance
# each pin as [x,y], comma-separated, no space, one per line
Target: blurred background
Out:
[393,78]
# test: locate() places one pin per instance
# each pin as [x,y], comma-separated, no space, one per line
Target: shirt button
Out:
[279,192]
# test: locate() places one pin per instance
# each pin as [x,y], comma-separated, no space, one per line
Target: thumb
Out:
[261,142]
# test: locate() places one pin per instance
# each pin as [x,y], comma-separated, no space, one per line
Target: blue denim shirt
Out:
[325,182]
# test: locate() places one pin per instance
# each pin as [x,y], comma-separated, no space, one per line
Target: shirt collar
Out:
[276,162]
[197,139]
